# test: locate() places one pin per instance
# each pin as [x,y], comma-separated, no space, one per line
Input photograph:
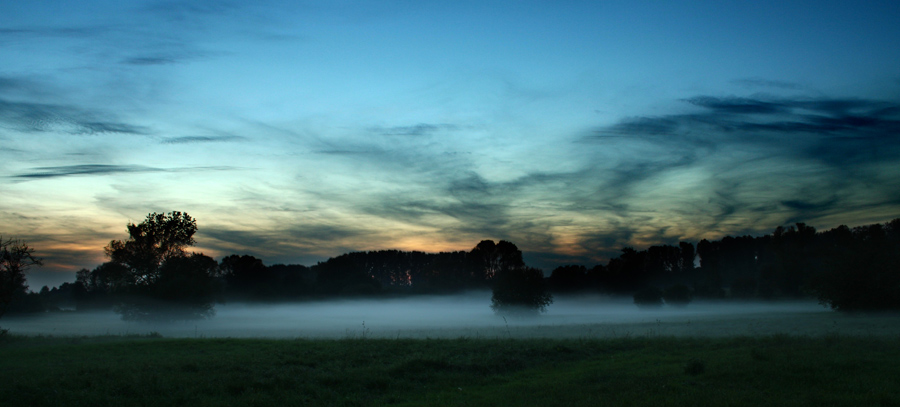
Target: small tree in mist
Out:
[520,290]
[678,295]
[648,297]
[184,289]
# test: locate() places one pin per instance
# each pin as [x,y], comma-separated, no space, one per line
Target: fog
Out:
[470,316]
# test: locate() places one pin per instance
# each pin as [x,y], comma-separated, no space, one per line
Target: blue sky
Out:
[297,131]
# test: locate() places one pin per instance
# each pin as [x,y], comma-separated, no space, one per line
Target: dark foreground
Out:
[743,371]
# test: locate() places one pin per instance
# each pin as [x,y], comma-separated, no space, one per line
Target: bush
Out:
[520,290]
[678,295]
[650,297]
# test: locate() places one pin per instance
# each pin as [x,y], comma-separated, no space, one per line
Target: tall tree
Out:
[16,257]
[160,279]
[159,237]
[516,287]
[489,258]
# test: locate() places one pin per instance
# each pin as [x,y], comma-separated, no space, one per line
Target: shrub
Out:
[678,295]
[650,297]
[520,290]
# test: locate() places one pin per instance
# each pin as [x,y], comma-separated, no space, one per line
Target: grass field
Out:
[827,370]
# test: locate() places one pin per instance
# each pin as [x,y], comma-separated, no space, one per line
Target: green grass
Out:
[747,371]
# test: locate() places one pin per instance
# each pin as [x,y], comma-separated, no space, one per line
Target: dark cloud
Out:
[303,244]
[757,161]
[313,235]
[149,61]
[103,169]
[10,84]
[766,83]
[201,139]
[610,241]
[421,129]
[737,105]
[97,169]
[350,152]
[40,117]
[643,126]
[842,130]
[807,206]
[840,107]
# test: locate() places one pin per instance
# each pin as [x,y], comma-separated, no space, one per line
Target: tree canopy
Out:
[158,238]
[152,276]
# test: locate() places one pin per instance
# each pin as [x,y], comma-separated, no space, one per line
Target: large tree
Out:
[16,257]
[150,243]
[160,279]
[489,258]
[516,287]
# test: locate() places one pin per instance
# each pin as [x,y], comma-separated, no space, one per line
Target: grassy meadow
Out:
[827,370]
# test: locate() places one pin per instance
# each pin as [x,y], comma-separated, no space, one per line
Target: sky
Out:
[297,131]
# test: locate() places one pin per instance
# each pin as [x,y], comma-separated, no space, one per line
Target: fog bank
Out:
[470,316]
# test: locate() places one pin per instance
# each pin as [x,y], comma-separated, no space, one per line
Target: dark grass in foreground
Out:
[750,371]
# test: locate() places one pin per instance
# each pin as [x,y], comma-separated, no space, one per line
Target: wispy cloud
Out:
[201,139]
[103,169]
[42,117]
[767,83]
[61,32]
[181,11]
[798,158]
[149,61]
[421,129]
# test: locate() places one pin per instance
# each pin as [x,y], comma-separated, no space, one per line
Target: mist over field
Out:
[470,316]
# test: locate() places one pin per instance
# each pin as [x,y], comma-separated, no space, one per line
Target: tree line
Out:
[151,274]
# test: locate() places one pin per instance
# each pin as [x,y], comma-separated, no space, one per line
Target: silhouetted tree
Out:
[516,287]
[490,258]
[100,287]
[57,298]
[709,282]
[520,290]
[346,275]
[625,273]
[444,272]
[862,268]
[678,295]
[246,277]
[292,281]
[648,297]
[152,276]
[568,278]
[185,288]
[688,255]
[151,242]
[16,257]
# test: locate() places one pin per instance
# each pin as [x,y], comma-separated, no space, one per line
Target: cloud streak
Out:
[418,130]
[104,169]
[43,117]
[202,139]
